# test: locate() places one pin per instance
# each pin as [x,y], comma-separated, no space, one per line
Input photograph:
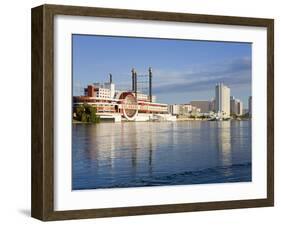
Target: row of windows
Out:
[153,108]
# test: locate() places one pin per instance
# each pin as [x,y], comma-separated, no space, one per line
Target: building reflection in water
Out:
[224,145]
[130,154]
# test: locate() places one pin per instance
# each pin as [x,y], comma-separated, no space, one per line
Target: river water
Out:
[137,154]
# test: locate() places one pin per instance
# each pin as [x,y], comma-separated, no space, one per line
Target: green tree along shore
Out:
[85,113]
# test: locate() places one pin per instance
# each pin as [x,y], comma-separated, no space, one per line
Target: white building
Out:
[111,87]
[174,109]
[223,99]
[183,109]
[188,108]
[105,90]
[103,93]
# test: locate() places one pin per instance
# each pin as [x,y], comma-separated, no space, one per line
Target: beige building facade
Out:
[223,99]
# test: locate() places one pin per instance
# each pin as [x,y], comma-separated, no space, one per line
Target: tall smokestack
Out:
[150,83]
[136,82]
[110,78]
[133,79]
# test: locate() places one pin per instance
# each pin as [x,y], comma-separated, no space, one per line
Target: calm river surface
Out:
[136,154]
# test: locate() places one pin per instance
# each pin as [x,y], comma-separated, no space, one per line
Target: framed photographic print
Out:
[141,112]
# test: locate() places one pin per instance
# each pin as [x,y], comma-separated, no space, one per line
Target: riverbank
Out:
[177,120]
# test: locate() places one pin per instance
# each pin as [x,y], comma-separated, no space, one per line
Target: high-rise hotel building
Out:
[223,99]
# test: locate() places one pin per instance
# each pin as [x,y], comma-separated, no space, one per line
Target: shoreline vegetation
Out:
[85,113]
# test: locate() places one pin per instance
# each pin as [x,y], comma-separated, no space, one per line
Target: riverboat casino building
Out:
[129,105]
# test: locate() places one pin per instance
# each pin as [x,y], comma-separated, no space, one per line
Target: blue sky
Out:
[183,70]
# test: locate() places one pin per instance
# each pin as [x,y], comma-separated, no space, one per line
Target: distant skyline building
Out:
[203,105]
[250,105]
[213,104]
[223,99]
[236,106]
[233,105]
[240,108]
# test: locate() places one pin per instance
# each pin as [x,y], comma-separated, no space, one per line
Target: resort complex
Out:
[133,105]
